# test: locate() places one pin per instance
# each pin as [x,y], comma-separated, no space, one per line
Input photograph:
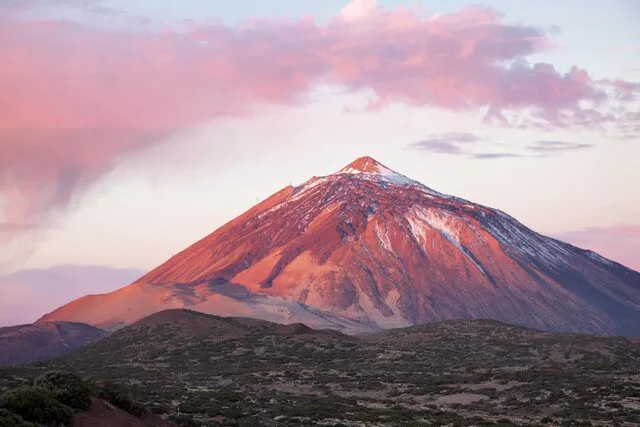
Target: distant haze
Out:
[28,294]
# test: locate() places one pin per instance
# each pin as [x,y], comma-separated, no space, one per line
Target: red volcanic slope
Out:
[368,248]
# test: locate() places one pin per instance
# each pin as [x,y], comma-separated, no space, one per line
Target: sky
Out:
[129,130]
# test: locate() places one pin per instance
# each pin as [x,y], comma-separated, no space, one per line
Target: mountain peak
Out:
[367,248]
[371,168]
[364,164]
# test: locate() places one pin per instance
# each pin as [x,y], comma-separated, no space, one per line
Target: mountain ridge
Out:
[33,342]
[367,248]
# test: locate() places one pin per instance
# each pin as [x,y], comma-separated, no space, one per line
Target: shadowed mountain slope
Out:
[29,343]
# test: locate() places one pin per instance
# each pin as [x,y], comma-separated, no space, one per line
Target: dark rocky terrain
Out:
[29,343]
[199,369]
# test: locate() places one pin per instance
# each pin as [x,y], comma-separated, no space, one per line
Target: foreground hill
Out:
[29,343]
[207,370]
[64,399]
[367,248]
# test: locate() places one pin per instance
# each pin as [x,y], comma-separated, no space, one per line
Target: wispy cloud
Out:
[457,144]
[624,90]
[464,144]
[437,146]
[446,143]
[485,156]
[544,146]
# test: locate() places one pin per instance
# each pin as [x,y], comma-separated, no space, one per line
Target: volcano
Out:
[367,248]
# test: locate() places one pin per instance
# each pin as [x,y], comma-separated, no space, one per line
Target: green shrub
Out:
[36,405]
[67,388]
[118,396]
[9,419]
[183,420]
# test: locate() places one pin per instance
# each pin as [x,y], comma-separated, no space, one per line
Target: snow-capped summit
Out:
[365,164]
[355,251]
[371,168]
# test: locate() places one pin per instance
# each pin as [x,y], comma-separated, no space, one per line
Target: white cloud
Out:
[359,9]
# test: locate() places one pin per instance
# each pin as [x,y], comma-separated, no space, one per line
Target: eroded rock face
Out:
[368,248]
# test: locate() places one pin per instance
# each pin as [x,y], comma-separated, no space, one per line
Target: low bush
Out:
[36,405]
[67,388]
[183,420]
[9,419]
[118,396]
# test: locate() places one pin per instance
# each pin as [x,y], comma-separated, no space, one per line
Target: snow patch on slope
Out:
[300,192]
[442,224]
[599,258]
[306,188]
[381,173]
[383,237]
[516,237]
[418,230]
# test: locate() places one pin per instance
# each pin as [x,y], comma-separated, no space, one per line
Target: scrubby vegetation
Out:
[37,405]
[475,373]
[67,388]
[55,397]
[120,396]
[9,419]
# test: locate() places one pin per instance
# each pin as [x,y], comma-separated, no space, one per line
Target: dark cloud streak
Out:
[546,146]
[446,143]
[486,156]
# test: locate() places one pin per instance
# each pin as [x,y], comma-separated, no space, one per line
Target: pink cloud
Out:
[76,98]
[624,90]
[621,243]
